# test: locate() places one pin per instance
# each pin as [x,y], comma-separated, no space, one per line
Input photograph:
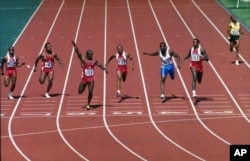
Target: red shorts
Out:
[88,79]
[197,65]
[122,69]
[47,70]
[10,72]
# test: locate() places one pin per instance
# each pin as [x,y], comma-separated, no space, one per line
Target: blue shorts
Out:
[167,69]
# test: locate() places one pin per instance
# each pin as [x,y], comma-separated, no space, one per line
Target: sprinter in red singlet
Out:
[47,69]
[87,76]
[121,67]
[198,55]
[11,61]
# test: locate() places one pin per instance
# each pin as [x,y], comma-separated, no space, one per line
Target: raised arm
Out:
[77,51]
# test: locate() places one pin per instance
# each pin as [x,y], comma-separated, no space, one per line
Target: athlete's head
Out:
[11,50]
[120,49]
[196,42]
[233,19]
[48,48]
[89,54]
[163,47]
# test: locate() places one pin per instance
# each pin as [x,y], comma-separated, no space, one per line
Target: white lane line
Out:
[27,82]
[104,91]
[144,84]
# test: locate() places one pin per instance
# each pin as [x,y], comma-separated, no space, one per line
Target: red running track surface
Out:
[137,126]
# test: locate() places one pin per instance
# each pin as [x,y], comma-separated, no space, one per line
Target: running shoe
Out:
[47,95]
[88,107]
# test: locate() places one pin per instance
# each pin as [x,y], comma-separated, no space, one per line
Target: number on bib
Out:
[48,64]
[89,72]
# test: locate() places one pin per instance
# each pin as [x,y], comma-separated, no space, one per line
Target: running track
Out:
[139,126]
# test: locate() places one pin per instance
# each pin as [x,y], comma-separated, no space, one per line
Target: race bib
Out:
[48,64]
[167,61]
[121,62]
[11,64]
[195,58]
[89,72]
[235,32]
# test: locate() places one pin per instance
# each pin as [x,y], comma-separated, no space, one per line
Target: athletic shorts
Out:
[87,79]
[167,69]
[122,69]
[10,72]
[197,65]
[47,70]
[233,38]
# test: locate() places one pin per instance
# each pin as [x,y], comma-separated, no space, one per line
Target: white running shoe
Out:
[162,96]
[118,93]
[47,95]
[237,62]
[10,97]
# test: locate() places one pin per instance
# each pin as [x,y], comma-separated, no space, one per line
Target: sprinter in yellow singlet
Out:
[234,32]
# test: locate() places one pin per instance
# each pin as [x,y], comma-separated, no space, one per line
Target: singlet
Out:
[48,61]
[121,59]
[195,54]
[88,68]
[11,62]
[167,59]
[235,28]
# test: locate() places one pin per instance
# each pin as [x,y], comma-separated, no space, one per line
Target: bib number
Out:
[235,32]
[48,64]
[89,72]
[121,62]
[11,64]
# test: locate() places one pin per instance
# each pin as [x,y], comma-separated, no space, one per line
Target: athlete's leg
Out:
[42,77]
[13,81]
[90,95]
[6,81]
[231,46]
[194,75]
[237,45]
[82,87]
[119,80]
[164,73]
[50,78]
[124,76]
[199,76]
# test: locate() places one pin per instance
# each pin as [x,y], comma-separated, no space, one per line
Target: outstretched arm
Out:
[151,54]
[101,66]
[110,58]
